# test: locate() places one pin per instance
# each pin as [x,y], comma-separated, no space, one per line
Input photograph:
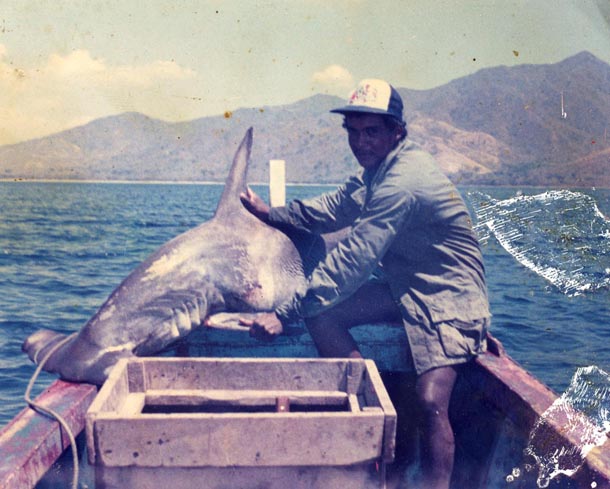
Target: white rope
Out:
[50,412]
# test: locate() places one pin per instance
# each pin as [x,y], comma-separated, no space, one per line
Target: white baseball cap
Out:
[375,97]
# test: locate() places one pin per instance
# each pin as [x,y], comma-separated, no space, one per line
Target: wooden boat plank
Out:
[217,440]
[524,399]
[244,397]
[508,385]
[32,442]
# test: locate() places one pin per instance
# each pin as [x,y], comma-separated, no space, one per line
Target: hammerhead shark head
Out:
[233,262]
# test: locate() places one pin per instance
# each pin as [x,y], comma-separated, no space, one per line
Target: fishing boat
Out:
[496,408]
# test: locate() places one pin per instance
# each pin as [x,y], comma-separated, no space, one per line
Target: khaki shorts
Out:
[434,345]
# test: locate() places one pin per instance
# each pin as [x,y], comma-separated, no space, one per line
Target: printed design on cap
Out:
[374,94]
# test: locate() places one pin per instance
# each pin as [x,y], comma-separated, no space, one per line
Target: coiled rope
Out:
[50,412]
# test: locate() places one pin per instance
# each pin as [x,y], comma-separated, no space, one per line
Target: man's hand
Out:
[255,204]
[264,327]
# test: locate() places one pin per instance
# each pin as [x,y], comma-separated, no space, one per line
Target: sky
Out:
[64,63]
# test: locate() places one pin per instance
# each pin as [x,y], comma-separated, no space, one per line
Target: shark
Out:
[233,263]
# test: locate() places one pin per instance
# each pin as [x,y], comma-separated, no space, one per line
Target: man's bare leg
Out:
[372,303]
[433,390]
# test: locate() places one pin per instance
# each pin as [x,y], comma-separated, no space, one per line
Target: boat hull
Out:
[495,406]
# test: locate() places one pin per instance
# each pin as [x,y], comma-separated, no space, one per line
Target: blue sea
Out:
[65,246]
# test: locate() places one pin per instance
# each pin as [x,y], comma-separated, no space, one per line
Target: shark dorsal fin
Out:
[236,181]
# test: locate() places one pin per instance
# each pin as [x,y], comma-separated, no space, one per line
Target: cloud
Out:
[71,89]
[77,63]
[333,80]
[79,66]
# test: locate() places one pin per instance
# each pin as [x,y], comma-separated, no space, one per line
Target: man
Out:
[409,226]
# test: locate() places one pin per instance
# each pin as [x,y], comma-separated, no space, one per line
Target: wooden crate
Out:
[231,413]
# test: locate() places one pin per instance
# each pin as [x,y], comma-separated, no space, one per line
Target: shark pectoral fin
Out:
[229,320]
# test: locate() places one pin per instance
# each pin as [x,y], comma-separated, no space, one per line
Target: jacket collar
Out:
[371,176]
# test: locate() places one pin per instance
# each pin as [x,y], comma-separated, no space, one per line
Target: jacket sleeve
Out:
[327,213]
[355,257]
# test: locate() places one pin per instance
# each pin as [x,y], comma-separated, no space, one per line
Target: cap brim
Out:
[360,109]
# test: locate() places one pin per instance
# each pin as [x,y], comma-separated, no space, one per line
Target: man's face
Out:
[370,138]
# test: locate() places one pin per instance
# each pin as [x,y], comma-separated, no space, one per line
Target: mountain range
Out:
[498,126]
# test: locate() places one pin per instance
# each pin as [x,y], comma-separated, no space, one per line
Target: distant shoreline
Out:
[135,182]
[265,184]
[152,182]
[288,184]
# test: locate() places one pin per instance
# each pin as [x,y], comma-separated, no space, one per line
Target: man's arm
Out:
[327,213]
[347,266]
[352,261]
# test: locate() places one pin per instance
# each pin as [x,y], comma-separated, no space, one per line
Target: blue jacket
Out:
[406,217]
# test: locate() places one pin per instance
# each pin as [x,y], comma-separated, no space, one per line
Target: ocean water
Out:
[65,246]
